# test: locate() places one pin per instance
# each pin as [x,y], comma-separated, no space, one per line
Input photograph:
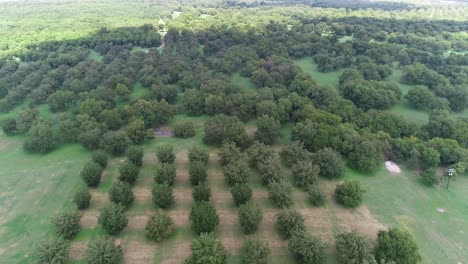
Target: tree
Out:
[53,251]
[255,251]
[289,222]
[224,129]
[351,248]
[121,193]
[82,199]
[9,126]
[115,142]
[269,171]
[67,224]
[241,193]
[366,156]
[184,130]
[113,218]
[250,216]
[136,131]
[305,173]
[163,196]
[236,172]
[420,97]
[330,162]
[203,217]
[122,91]
[165,154]
[91,173]
[398,246]
[153,113]
[128,172]
[429,177]
[135,155]
[100,157]
[350,193]
[165,174]
[268,130]
[196,153]
[41,138]
[102,250]
[201,192]
[159,226]
[280,194]
[307,249]
[26,119]
[316,195]
[294,152]
[207,249]
[229,152]
[198,172]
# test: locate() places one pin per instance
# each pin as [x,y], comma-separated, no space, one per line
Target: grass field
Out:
[329,79]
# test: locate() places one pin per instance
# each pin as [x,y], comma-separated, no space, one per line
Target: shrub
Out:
[294,152]
[351,248]
[203,217]
[53,251]
[241,193]
[113,218]
[260,153]
[135,155]
[9,126]
[102,250]
[198,172]
[307,249]
[100,157]
[228,153]
[268,130]
[198,154]
[330,162]
[305,173]
[221,128]
[165,154]
[207,249]
[91,173]
[184,130]
[316,196]
[201,192]
[350,193]
[280,194]
[165,174]
[289,222]
[159,226]
[163,196]
[82,199]
[115,142]
[121,193]
[236,172]
[250,217]
[128,172]
[398,246]
[429,177]
[67,224]
[255,251]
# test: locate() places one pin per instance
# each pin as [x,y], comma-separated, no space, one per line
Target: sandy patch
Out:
[182,177]
[142,194]
[392,167]
[137,222]
[180,251]
[231,244]
[149,159]
[136,252]
[2,251]
[89,219]
[183,196]
[227,217]
[181,157]
[77,250]
[180,217]
[98,199]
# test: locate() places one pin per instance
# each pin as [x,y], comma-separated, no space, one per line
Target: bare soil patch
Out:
[182,158]
[182,177]
[183,196]
[89,219]
[149,159]
[227,217]
[142,194]
[181,250]
[231,244]
[163,131]
[136,252]
[77,250]
[137,222]
[359,219]
[98,199]
[180,217]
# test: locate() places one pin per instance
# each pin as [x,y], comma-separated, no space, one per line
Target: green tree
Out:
[165,174]
[67,224]
[307,249]
[102,250]
[184,130]
[350,193]
[135,155]
[113,218]
[53,251]
[229,152]
[165,154]
[429,177]
[330,162]
[100,157]
[121,193]
[201,192]
[352,248]
[115,142]
[398,246]
[203,217]
[294,152]
[255,251]
[289,222]
[136,131]
[366,156]
[224,129]
[159,226]
[82,199]
[280,194]
[268,130]
[163,196]
[41,138]
[236,172]
[9,126]
[128,172]
[198,172]
[250,216]
[207,249]
[91,173]
[241,193]
[196,153]
[305,173]
[316,195]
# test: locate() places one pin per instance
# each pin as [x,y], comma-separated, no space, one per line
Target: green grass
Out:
[242,82]
[95,56]
[138,91]
[329,79]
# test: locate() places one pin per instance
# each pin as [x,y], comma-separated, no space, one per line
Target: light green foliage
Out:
[67,224]
[203,217]
[250,216]
[113,218]
[121,193]
[350,193]
[101,250]
[159,226]
[255,251]
[53,251]
[207,249]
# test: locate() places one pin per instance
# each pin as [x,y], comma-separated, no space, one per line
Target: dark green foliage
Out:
[352,248]
[135,155]
[82,199]
[228,153]
[350,193]
[294,152]
[121,193]
[203,217]
[41,138]
[198,172]
[398,246]
[307,249]
[289,222]
[136,131]
[241,193]
[268,130]
[366,156]
[163,196]
[224,129]
[101,250]
[236,172]
[165,154]
[255,251]
[91,173]
[316,195]
[196,153]
[26,119]
[420,97]
[9,126]
[115,142]
[269,171]
[280,194]
[250,216]
[305,173]
[201,192]
[207,249]
[429,177]
[67,224]
[165,174]
[159,226]
[371,94]
[184,130]
[100,157]
[128,172]
[113,218]
[260,153]
[330,162]
[53,252]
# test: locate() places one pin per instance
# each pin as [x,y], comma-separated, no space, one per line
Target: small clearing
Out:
[392,167]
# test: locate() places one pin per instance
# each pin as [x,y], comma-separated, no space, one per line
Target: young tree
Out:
[207,249]
[289,222]
[330,162]
[100,157]
[113,218]
[398,246]
[159,226]
[102,250]
[352,248]
[350,193]
[305,173]
[184,130]
[198,172]
[121,193]
[269,171]
[163,196]
[165,174]
[165,154]
[201,192]
[115,142]
[294,152]
[236,172]
[307,249]
[9,126]
[255,251]
[53,251]
[82,199]
[268,130]
[196,153]
[136,131]
[203,217]
[241,193]
[91,173]
[280,194]
[67,224]
[135,155]
[250,216]
[41,138]
[229,152]
[316,195]
[128,172]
